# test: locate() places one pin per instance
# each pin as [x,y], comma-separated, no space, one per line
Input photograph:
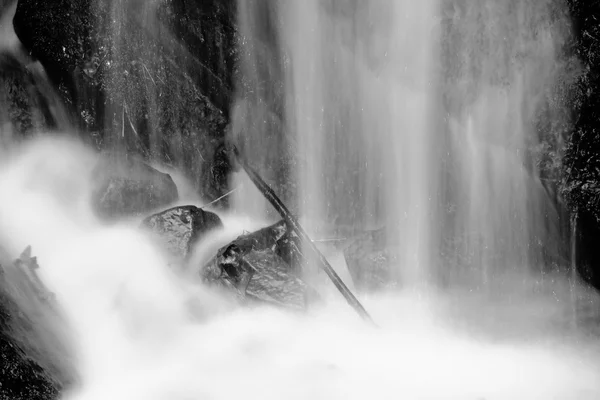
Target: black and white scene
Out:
[299,199]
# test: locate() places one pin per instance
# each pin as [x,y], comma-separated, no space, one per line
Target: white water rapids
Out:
[140,332]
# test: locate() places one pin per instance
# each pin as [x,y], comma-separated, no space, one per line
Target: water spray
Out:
[293,223]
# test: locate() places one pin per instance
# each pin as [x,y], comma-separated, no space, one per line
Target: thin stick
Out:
[293,223]
[131,123]
[222,197]
[149,74]
[329,240]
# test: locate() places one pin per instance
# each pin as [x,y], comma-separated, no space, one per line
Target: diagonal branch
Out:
[306,241]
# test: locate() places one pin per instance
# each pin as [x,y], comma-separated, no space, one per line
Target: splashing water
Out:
[362,82]
[137,337]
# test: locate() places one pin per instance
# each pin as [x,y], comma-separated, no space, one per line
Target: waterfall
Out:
[502,61]
[421,118]
[361,105]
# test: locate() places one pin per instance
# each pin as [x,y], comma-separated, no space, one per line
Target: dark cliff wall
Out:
[581,163]
[153,78]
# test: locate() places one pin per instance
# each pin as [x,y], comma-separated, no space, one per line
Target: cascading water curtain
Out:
[360,101]
[423,118]
[502,61]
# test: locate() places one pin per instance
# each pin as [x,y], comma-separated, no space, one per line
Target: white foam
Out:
[137,338]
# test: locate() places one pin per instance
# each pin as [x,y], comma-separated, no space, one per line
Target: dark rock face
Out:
[369,260]
[21,377]
[152,78]
[206,29]
[23,106]
[127,187]
[261,267]
[581,162]
[28,351]
[180,227]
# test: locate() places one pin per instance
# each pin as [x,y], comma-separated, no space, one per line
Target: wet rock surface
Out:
[580,165]
[26,368]
[262,267]
[21,377]
[369,261]
[126,186]
[178,228]
[153,78]
[273,282]
[23,106]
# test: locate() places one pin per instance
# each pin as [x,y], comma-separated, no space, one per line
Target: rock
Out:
[178,228]
[273,281]
[21,378]
[30,347]
[152,78]
[369,259]
[125,187]
[262,267]
[23,107]
[206,29]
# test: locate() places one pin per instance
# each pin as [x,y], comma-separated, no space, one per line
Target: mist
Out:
[138,330]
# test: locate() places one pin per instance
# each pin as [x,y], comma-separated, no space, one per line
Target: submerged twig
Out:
[306,241]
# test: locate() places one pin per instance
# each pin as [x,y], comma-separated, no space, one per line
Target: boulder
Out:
[178,228]
[369,260]
[125,186]
[262,267]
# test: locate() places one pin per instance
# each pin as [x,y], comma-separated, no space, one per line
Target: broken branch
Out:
[270,195]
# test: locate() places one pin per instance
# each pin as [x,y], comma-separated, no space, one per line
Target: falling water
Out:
[415,116]
[362,81]
[502,62]
[140,332]
[420,117]
[24,80]
[256,125]
[573,275]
